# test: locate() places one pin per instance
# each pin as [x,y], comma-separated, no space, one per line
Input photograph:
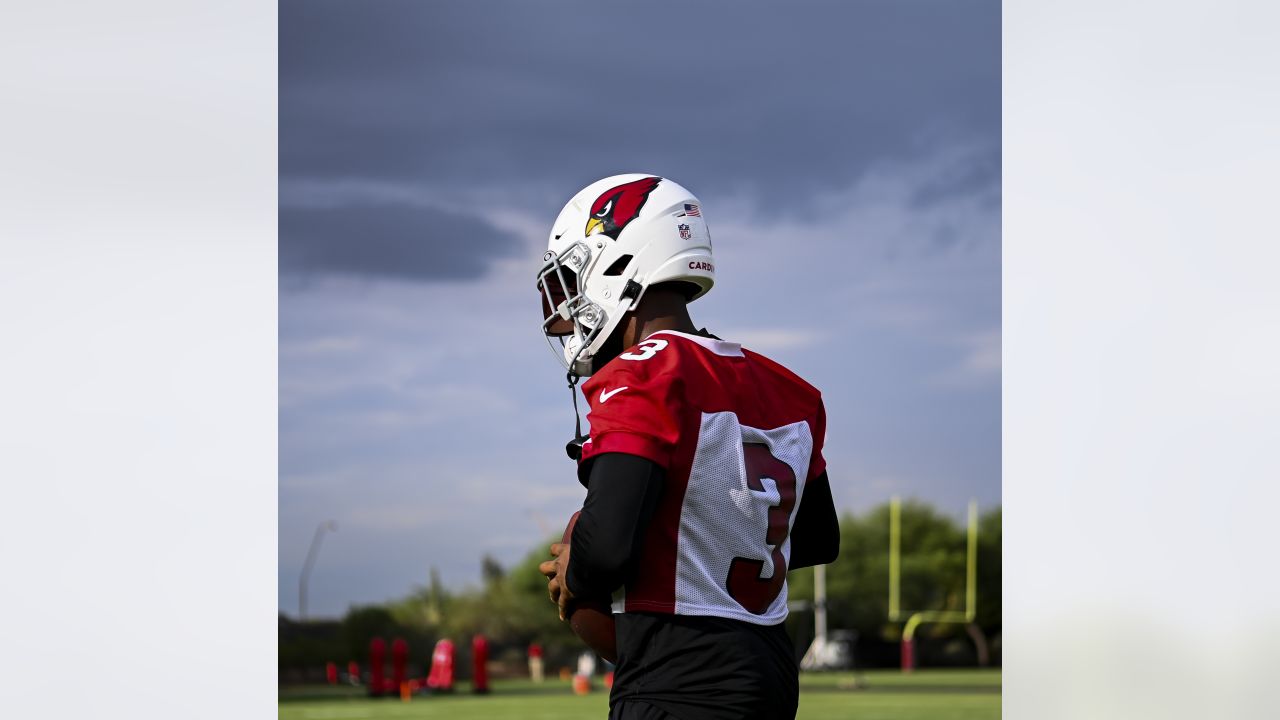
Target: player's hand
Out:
[556,570]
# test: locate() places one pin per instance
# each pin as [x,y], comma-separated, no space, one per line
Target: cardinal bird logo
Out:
[618,206]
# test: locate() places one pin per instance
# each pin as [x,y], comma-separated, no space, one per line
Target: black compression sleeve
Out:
[622,494]
[815,535]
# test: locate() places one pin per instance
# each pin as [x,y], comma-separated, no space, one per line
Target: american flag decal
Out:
[692,210]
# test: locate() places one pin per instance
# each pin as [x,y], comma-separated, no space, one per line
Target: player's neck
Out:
[650,328]
[661,313]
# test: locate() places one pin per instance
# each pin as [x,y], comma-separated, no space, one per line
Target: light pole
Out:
[331,526]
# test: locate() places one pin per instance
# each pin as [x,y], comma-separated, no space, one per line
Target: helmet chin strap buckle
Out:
[573,448]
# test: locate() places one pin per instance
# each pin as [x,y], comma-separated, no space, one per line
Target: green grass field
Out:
[873,695]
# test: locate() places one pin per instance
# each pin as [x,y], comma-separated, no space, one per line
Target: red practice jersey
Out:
[739,436]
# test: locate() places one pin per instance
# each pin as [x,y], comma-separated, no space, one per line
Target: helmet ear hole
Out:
[618,266]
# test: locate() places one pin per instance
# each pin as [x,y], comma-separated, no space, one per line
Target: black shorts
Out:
[694,668]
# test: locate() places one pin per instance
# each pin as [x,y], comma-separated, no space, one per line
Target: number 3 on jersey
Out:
[744,583]
[647,349]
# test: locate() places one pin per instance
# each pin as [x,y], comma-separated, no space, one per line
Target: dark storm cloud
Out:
[789,98]
[392,241]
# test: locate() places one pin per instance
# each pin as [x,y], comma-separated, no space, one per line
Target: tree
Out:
[491,571]
[989,572]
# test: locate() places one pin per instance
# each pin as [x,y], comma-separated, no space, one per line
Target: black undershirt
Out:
[691,666]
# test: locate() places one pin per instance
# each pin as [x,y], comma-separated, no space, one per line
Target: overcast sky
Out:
[847,156]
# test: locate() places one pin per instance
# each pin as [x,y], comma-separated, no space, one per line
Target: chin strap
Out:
[574,447]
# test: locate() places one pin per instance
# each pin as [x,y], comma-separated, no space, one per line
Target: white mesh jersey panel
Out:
[722,518]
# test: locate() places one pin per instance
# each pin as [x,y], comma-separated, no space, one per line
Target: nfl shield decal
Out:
[684,232]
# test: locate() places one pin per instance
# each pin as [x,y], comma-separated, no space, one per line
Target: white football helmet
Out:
[611,242]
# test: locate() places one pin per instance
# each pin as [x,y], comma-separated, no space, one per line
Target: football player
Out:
[704,470]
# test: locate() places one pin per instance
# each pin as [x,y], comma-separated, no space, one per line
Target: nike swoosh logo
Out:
[606,394]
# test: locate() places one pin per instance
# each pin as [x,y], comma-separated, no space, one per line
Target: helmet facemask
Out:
[564,299]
